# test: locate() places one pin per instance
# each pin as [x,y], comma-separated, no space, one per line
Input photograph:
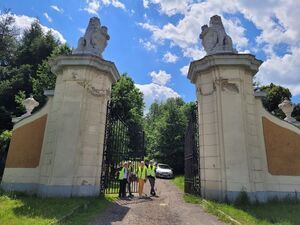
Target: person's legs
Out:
[124,188]
[141,187]
[129,188]
[152,182]
[120,188]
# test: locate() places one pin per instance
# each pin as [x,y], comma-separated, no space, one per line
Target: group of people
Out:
[127,175]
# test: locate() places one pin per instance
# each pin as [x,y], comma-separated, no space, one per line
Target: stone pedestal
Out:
[229,157]
[73,145]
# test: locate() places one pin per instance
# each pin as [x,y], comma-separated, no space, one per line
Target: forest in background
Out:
[25,71]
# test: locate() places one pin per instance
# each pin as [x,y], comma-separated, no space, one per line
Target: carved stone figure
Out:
[287,107]
[214,38]
[29,104]
[94,40]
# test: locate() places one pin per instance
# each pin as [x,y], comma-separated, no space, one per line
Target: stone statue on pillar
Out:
[94,40]
[214,38]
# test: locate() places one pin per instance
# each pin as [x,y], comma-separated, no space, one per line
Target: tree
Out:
[7,37]
[24,65]
[165,126]
[127,101]
[275,95]
[45,79]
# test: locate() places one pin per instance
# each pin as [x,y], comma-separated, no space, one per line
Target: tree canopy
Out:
[24,66]
[165,126]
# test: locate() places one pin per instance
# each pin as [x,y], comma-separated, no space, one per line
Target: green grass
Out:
[179,182]
[285,212]
[22,210]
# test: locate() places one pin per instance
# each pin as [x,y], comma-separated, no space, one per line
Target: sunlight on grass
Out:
[37,211]
[285,212]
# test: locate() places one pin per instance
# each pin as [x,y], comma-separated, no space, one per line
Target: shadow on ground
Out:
[117,211]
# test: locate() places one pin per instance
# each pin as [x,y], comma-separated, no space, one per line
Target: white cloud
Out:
[170,58]
[48,17]
[23,22]
[277,22]
[92,6]
[161,77]
[146,3]
[56,8]
[155,92]
[147,45]
[81,30]
[157,89]
[118,4]
[184,70]
[169,7]
[282,70]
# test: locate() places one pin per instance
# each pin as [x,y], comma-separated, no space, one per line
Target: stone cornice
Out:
[85,60]
[245,60]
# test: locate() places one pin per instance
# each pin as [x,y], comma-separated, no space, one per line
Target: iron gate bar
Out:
[122,143]
[192,182]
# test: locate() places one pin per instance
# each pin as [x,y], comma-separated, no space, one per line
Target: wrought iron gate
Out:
[123,142]
[192,182]
[3,155]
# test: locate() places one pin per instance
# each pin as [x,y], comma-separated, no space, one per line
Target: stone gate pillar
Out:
[226,108]
[74,137]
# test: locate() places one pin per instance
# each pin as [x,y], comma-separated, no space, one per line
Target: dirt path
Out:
[167,209]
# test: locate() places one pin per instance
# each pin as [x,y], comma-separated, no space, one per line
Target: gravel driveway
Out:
[167,209]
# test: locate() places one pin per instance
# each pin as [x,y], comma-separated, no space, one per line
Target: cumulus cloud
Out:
[161,77]
[48,17]
[56,8]
[93,6]
[276,21]
[282,70]
[169,7]
[23,22]
[155,92]
[170,58]
[81,30]
[184,70]
[147,45]
[157,89]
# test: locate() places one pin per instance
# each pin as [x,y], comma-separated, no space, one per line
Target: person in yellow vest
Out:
[142,175]
[151,177]
[123,176]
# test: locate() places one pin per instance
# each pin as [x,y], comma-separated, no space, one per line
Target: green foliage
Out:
[7,37]
[279,212]
[19,98]
[165,126]
[127,101]
[242,198]
[33,211]
[24,66]
[275,95]
[45,79]
[5,138]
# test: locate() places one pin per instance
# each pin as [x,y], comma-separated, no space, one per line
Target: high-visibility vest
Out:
[122,174]
[151,171]
[142,173]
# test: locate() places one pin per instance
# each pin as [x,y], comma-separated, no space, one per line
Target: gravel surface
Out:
[167,209]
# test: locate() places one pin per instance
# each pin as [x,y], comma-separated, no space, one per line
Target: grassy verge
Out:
[24,210]
[285,212]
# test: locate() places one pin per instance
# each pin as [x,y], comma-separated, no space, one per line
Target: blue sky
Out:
[155,40]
